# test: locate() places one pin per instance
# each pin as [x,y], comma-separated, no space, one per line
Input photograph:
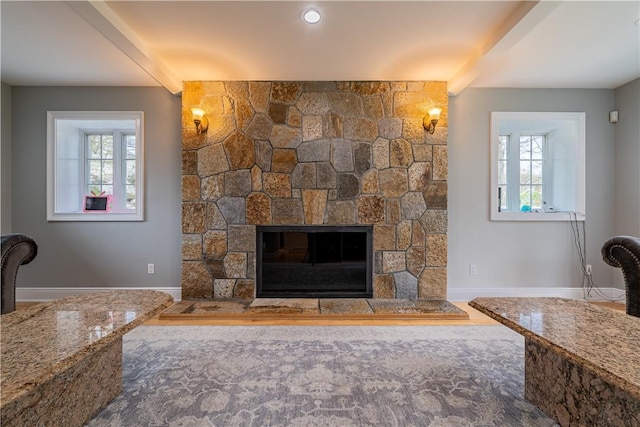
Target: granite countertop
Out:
[45,339]
[604,340]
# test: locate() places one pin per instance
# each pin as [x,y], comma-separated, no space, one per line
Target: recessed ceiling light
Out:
[311,16]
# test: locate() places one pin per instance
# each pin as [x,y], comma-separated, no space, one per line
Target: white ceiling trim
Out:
[516,26]
[107,22]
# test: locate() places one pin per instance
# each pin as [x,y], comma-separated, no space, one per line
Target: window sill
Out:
[537,216]
[95,217]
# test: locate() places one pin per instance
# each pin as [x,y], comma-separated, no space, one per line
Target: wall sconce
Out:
[200,120]
[431,120]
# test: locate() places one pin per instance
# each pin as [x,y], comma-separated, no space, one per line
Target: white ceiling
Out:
[546,44]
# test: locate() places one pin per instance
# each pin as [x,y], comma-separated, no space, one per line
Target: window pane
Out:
[502,172]
[131,146]
[107,171]
[525,196]
[502,147]
[525,172]
[536,147]
[536,196]
[131,171]
[107,146]
[95,172]
[503,197]
[525,147]
[536,172]
[131,197]
[108,189]
[94,189]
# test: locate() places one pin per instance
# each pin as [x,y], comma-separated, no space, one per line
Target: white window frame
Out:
[535,123]
[97,122]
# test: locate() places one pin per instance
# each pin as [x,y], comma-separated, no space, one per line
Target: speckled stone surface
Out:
[582,364]
[61,360]
[320,307]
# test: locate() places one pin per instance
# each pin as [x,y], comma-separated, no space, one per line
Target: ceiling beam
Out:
[517,25]
[106,21]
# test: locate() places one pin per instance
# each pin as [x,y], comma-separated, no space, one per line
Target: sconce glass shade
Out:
[431,120]
[199,119]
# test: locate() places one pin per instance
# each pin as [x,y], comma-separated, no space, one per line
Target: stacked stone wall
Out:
[320,153]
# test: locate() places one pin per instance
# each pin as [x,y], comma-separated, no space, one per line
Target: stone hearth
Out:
[322,153]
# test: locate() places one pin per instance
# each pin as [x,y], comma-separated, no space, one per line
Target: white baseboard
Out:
[467,294]
[48,294]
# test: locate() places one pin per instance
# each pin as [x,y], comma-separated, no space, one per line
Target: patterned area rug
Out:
[322,376]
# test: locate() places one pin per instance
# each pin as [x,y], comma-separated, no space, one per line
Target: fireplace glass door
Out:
[314,261]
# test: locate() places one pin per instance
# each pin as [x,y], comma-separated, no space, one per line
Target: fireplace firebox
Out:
[314,261]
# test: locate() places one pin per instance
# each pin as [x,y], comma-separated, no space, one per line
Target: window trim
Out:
[576,119]
[136,214]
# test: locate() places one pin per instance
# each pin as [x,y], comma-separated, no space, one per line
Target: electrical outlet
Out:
[151,268]
[473,269]
[588,269]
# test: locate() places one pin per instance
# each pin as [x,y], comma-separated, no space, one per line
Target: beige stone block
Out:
[344,306]
[277,185]
[223,288]
[400,153]
[332,125]
[373,107]
[381,154]
[260,127]
[393,261]
[256,178]
[285,92]
[245,289]
[283,160]
[196,281]
[189,162]
[416,260]
[419,176]
[418,235]
[436,250]
[440,163]
[393,211]
[370,209]
[240,150]
[313,103]
[432,283]
[190,188]
[384,237]
[244,113]
[341,212]
[434,221]
[435,195]
[212,160]
[235,265]
[285,137]
[411,104]
[285,305]
[295,117]
[191,247]
[258,209]
[368,88]
[259,95]
[220,127]
[422,152]
[192,93]
[314,203]
[214,87]
[413,130]
[369,182]
[212,187]
[215,243]
[215,220]
[403,235]
[311,128]
[194,217]
[346,103]
[360,129]
[383,286]
[287,212]
[393,182]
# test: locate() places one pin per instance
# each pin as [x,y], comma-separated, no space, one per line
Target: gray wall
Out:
[524,254]
[99,254]
[626,161]
[5,156]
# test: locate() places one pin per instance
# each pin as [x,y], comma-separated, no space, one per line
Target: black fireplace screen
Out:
[314,261]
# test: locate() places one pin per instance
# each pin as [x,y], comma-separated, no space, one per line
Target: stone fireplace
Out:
[314,153]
